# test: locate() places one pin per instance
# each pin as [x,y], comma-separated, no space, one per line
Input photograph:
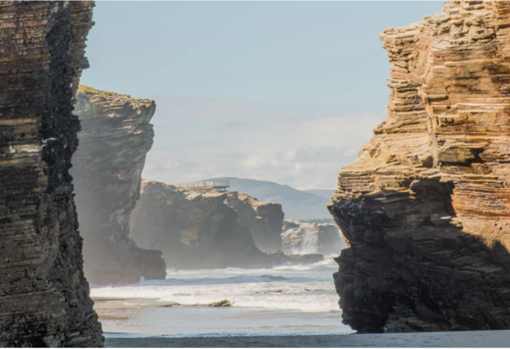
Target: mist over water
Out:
[310,244]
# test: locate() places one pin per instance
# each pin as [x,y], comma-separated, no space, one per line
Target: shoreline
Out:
[465,339]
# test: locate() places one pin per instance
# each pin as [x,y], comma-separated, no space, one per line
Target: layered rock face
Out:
[44,297]
[426,208]
[302,237]
[193,229]
[114,139]
[263,219]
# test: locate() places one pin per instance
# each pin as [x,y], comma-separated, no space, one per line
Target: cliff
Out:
[303,237]
[44,297]
[425,207]
[263,219]
[193,229]
[114,139]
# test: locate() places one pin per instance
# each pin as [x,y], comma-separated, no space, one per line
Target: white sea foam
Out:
[306,288]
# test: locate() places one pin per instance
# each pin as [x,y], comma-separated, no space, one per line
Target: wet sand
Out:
[484,339]
[131,317]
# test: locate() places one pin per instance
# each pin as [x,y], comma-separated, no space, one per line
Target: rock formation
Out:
[44,297]
[303,237]
[263,219]
[193,229]
[207,229]
[426,208]
[115,136]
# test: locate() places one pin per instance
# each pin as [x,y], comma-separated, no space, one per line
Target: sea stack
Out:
[264,219]
[425,208]
[194,229]
[115,137]
[44,296]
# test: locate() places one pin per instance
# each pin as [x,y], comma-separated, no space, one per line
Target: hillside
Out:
[323,193]
[297,204]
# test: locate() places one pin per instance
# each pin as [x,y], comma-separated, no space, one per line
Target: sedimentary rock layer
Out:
[114,139]
[44,297]
[426,207]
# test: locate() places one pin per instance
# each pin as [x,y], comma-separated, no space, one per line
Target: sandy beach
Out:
[470,339]
[173,313]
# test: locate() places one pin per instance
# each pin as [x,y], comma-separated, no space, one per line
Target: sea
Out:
[285,300]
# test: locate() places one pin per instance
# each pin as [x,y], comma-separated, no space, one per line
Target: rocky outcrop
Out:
[193,229]
[425,208]
[303,237]
[44,297]
[115,136]
[263,219]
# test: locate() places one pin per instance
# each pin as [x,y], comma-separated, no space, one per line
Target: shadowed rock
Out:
[114,139]
[193,229]
[201,229]
[425,208]
[264,219]
[44,297]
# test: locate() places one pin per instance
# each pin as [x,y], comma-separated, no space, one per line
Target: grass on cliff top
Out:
[86,89]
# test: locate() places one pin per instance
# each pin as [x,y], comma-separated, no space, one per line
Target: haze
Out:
[277,91]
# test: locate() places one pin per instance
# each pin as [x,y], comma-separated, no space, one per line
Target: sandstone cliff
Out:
[303,237]
[193,229]
[426,208]
[263,219]
[44,297]
[114,139]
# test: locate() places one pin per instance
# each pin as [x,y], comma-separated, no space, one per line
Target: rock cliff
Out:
[425,207]
[303,237]
[114,139]
[193,229]
[263,219]
[44,297]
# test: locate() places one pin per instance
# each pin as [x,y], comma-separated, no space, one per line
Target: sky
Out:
[280,91]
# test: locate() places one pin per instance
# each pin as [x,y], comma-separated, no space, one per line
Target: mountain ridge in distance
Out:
[296,204]
[324,193]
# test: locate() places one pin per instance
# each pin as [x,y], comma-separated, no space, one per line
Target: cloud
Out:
[289,144]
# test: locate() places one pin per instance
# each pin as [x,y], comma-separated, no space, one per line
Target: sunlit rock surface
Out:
[115,137]
[305,237]
[426,207]
[44,297]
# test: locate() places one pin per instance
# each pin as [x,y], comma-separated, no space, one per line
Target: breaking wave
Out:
[307,288]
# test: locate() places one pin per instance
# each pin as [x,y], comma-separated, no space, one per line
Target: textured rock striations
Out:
[193,229]
[263,219]
[302,237]
[115,136]
[426,207]
[44,297]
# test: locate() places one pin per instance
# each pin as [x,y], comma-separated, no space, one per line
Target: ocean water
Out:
[281,300]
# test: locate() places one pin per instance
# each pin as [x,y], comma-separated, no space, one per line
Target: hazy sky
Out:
[279,91]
